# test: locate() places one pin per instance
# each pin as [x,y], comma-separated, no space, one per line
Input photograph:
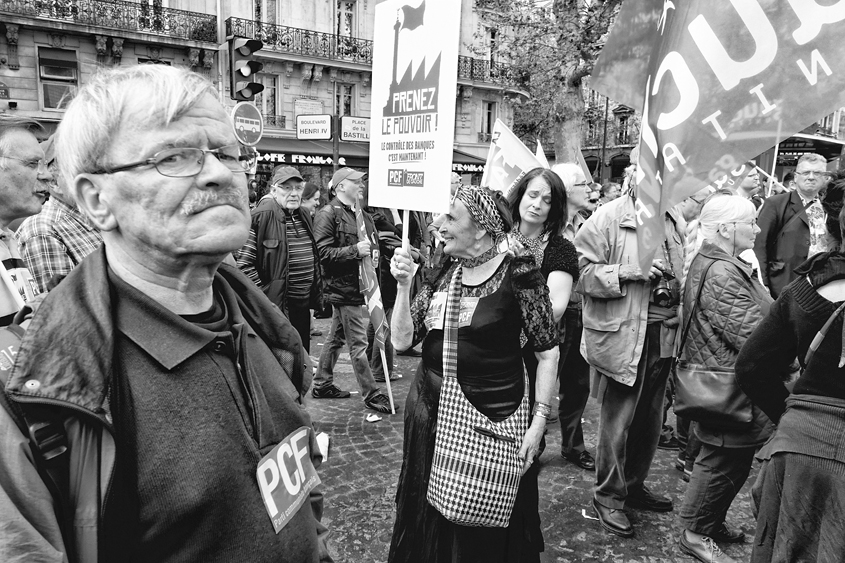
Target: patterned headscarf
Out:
[482,207]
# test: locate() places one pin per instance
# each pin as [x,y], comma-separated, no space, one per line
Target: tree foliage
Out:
[554,45]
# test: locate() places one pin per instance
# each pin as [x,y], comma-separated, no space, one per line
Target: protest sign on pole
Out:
[415,62]
[507,161]
[718,83]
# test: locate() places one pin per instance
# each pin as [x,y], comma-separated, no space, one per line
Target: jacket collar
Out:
[67,353]
[714,252]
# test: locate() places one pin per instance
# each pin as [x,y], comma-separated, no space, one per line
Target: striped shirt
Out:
[301,260]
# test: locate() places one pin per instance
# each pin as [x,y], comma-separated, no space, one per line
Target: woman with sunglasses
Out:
[723,303]
[470,315]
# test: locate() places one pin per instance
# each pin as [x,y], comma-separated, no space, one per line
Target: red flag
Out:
[369,282]
[718,83]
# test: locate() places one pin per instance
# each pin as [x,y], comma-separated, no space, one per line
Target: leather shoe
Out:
[613,520]
[412,352]
[705,549]
[728,535]
[644,499]
[582,459]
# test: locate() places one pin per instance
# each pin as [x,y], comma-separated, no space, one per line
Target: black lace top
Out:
[494,314]
[560,255]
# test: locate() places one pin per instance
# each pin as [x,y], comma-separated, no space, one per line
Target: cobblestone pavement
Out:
[363,466]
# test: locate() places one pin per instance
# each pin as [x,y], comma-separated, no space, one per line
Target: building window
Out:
[266,101]
[345,18]
[489,117]
[58,72]
[344,96]
[622,133]
[265,11]
[142,61]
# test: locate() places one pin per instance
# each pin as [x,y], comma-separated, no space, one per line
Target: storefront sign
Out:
[304,106]
[314,127]
[354,128]
[415,60]
[468,168]
[310,159]
[4,91]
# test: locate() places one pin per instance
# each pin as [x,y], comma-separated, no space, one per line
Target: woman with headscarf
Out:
[473,315]
[799,495]
[723,303]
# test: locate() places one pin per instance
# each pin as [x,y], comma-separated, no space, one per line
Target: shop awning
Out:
[802,143]
[357,155]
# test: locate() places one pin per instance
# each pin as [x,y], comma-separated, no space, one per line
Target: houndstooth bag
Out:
[475,472]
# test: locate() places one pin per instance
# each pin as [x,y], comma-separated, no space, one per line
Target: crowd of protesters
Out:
[160,332]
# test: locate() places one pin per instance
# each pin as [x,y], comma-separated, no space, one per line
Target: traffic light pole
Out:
[335,143]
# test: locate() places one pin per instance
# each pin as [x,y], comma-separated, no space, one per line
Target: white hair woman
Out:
[730,303]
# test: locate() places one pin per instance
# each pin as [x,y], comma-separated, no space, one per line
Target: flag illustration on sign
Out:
[413,17]
[718,83]
[369,283]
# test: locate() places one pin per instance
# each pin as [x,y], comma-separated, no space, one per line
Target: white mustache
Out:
[199,200]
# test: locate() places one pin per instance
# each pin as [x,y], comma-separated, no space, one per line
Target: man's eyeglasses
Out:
[35,164]
[813,173]
[184,162]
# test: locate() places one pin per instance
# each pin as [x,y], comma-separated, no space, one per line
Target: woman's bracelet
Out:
[542,410]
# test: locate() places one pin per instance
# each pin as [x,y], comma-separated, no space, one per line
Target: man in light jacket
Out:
[628,339]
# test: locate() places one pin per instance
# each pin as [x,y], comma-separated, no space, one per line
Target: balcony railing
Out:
[118,14]
[298,41]
[487,71]
[276,121]
[484,137]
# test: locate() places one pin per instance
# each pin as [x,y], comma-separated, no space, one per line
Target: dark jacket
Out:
[67,361]
[781,251]
[264,258]
[732,304]
[336,233]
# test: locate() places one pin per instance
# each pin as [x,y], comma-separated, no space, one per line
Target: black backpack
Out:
[44,427]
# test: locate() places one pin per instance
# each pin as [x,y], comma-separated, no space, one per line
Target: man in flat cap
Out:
[341,250]
[280,255]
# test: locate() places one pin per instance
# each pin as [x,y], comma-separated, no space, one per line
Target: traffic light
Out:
[242,67]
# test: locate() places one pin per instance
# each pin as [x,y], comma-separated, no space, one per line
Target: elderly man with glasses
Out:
[23,181]
[281,256]
[56,240]
[176,382]
[792,225]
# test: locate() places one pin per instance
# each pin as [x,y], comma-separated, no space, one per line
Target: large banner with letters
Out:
[718,83]
[415,69]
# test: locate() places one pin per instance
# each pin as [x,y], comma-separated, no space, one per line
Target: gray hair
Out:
[717,210]
[812,158]
[97,112]
[568,172]
[11,123]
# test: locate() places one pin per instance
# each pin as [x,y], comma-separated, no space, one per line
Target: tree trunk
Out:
[568,116]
